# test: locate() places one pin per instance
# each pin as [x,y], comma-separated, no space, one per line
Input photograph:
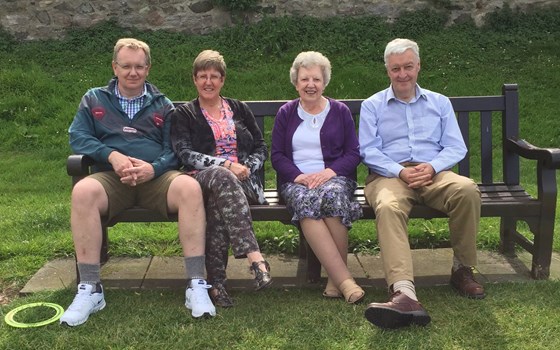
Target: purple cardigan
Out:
[341,151]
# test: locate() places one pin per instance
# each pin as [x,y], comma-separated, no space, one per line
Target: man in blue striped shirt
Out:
[410,140]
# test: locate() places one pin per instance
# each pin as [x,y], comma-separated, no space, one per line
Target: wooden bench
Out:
[502,194]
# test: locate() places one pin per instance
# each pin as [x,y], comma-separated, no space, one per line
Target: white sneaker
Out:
[198,300]
[86,302]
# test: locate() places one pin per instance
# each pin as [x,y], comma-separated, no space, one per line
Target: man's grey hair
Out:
[399,46]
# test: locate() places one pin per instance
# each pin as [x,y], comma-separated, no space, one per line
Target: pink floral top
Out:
[224,132]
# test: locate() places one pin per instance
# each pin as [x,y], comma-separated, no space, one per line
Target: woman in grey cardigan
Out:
[219,143]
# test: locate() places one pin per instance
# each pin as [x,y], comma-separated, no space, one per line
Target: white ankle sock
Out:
[406,287]
[456,263]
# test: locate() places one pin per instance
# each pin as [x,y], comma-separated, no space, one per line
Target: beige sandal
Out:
[331,291]
[352,292]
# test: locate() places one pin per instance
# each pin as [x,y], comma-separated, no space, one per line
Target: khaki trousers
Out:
[392,200]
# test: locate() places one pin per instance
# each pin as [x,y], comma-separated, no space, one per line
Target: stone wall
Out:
[44,19]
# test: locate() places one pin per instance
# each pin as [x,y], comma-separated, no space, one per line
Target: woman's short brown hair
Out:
[209,59]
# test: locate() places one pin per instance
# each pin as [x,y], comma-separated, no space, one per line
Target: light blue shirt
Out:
[425,130]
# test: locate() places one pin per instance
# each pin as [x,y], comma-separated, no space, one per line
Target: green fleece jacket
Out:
[101,126]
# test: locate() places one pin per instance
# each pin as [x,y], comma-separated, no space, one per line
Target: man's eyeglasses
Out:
[213,77]
[128,67]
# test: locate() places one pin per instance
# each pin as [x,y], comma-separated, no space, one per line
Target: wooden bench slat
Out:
[465,164]
[486,169]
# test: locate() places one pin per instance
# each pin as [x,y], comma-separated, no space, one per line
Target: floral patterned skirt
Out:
[334,198]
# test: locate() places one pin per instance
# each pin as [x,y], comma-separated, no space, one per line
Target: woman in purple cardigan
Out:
[315,153]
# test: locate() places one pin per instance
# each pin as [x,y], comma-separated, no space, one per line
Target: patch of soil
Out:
[7,294]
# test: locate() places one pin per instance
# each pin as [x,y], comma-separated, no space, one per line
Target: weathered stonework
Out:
[44,19]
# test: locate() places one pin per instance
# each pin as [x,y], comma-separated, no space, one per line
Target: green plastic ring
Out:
[9,319]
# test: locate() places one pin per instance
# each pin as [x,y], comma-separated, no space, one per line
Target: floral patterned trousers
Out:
[228,221]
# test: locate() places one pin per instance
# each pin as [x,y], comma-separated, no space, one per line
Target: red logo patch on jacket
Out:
[158,120]
[98,112]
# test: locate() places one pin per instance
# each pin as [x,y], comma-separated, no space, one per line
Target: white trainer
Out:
[86,302]
[198,300]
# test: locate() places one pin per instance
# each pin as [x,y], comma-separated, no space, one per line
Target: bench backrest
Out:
[476,113]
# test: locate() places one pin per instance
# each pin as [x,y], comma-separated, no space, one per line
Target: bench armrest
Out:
[549,156]
[78,165]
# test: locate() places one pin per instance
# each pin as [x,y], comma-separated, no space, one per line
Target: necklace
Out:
[214,111]
[313,122]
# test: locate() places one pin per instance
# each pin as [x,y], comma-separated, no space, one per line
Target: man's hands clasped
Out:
[132,171]
[418,176]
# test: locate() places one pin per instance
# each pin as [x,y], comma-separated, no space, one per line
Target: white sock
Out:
[456,263]
[406,287]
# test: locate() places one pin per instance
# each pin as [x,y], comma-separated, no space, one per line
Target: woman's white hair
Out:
[399,46]
[308,59]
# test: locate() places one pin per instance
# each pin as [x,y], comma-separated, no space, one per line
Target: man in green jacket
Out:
[125,128]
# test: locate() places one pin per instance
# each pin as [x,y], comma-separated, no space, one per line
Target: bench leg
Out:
[104,254]
[544,232]
[77,271]
[507,243]
[302,254]
[313,264]
[542,249]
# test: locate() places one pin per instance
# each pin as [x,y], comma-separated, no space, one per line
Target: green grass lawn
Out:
[513,316]
[41,84]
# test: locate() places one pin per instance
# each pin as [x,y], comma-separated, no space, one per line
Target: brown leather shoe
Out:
[399,311]
[462,280]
